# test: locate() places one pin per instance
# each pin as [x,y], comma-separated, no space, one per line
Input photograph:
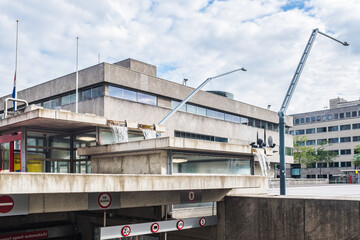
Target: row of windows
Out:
[69,98]
[131,95]
[324,129]
[332,140]
[190,108]
[327,117]
[200,137]
[330,165]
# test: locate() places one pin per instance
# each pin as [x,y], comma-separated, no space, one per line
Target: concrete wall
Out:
[144,163]
[286,218]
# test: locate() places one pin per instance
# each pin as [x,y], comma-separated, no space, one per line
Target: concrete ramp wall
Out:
[270,218]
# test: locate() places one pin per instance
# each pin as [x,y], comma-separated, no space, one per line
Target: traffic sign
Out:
[202,221]
[180,224]
[6,204]
[191,196]
[154,228]
[125,231]
[104,200]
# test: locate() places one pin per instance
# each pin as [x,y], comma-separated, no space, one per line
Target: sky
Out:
[192,39]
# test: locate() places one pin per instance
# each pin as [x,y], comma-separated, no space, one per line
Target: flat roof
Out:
[54,119]
[167,143]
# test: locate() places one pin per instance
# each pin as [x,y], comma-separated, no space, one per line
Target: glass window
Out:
[356,139]
[174,104]
[341,115]
[251,122]
[336,115]
[356,126]
[55,102]
[320,141]
[96,92]
[115,92]
[300,132]
[129,95]
[191,109]
[354,114]
[85,95]
[47,104]
[297,121]
[288,151]
[201,111]
[318,118]
[324,117]
[333,140]
[348,114]
[307,119]
[232,118]
[72,97]
[312,119]
[345,127]
[65,100]
[310,131]
[302,120]
[147,99]
[220,115]
[333,128]
[257,123]
[244,121]
[330,116]
[345,151]
[210,113]
[310,142]
[345,139]
[321,129]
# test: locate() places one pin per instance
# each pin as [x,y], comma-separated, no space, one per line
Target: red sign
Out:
[104,200]
[202,221]
[6,204]
[26,235]
[191,196]
[180,224]
[125,231]
[155,227]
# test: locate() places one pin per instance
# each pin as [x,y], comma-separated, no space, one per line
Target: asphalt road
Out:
[330,190]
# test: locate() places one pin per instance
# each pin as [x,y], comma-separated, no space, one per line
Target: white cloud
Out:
[194,40]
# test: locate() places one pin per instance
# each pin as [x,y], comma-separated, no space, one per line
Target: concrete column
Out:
[221,232]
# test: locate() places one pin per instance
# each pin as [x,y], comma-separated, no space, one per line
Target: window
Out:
[86,94]
[300,132]
[356,139]
[345,127]
[310,142]
[322,165]
[96,92]
[310,131]
[211,113]
[330,116]
[47,104]
[318,118]
[191,109]
[333,164]
[307,120]
[115,92]
[354,114]
[345,164]
[320,141]
[345,139]
[174,104]
[65,100]
[348,114]
[324,117]
[311,176]
[336,115]
[341,115]
[232,118]
[345,151]
[333,128]
[200,137]
[322,176]
[356,126]
[333,140]
[297,121]
[301,120]
[321,129]
[147,99]
[129,95]
[244,121]
[201,111]
[288,151]
[312,119]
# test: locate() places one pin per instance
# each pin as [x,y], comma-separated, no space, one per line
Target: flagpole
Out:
[77,75]
[14,93]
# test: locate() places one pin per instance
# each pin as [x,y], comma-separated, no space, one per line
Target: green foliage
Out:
[303,154]
[323,155]
[357,156]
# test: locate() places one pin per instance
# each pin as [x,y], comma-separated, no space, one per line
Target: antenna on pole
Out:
[77,76]
[14,93]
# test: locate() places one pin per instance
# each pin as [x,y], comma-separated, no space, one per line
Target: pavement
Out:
[333,191]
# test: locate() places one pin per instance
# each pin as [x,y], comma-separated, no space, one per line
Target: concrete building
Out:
[205,150]
[340,126]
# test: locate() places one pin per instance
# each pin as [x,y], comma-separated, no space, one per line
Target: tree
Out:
[324,156]
[357,156]
[303,154]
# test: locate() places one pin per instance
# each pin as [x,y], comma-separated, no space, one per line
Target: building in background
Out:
[340,126]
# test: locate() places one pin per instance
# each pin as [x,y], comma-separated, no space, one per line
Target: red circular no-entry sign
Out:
[154,228]
[104,200]
[6,204]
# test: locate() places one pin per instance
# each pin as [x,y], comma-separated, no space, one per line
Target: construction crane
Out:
[286,102]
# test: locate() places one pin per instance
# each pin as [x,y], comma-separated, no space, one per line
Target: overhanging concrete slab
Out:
[44,183]
[182,144]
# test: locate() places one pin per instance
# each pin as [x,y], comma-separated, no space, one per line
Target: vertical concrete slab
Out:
[332,219]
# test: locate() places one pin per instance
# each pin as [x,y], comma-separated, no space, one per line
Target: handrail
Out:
[15,100]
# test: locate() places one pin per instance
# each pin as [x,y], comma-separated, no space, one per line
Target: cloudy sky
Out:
[192,39]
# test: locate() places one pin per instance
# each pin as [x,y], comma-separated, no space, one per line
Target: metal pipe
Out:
[194,92]
[15,100]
